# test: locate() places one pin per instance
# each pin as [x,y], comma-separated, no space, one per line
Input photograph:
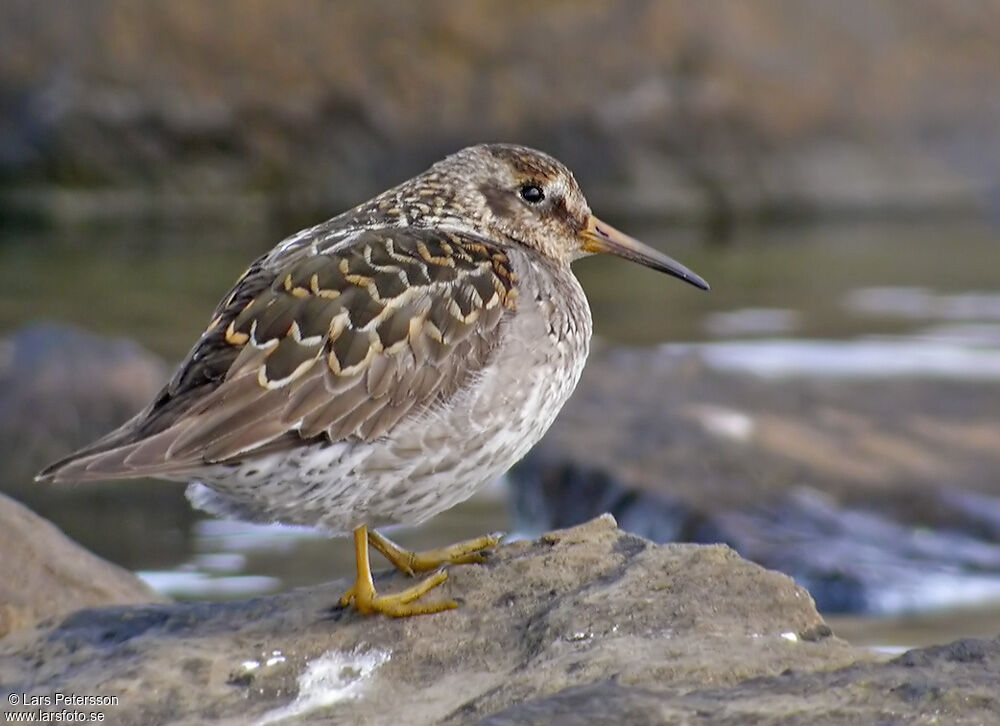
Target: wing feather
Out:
[341,341]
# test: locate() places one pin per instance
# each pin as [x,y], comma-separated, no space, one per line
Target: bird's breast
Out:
[546,344]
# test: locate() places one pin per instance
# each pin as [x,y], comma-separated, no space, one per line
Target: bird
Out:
[380,367]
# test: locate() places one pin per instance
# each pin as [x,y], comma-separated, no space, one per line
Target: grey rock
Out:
[953,684]
[44,574]
[573,610]
[606,702]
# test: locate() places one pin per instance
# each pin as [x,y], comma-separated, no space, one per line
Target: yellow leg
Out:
[367,601]
[464,553]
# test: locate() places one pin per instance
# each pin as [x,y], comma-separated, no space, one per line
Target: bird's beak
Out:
[600,238]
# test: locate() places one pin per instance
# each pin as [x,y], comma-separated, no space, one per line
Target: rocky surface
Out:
[948,684]
[588,625]
[44,574]
[720,108]
[879,495]
[577,607]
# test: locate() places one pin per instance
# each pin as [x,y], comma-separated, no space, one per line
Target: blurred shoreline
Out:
[713,114]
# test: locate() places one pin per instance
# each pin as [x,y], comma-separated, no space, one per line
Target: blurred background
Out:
[830,409]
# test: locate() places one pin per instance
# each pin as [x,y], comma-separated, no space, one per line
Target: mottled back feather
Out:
[337,339]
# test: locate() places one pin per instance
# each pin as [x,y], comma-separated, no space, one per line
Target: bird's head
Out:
[526,197]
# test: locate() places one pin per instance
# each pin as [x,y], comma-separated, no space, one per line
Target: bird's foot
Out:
[463,553]
[366,601]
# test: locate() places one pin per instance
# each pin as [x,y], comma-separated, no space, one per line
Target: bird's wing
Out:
[338,344]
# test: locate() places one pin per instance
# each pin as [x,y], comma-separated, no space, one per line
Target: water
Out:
[867,298]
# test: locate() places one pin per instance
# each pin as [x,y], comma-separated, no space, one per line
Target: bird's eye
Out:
[532,193]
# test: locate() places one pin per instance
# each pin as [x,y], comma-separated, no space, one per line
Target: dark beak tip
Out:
[691,278]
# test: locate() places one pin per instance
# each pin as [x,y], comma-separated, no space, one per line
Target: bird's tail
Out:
[119,456]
